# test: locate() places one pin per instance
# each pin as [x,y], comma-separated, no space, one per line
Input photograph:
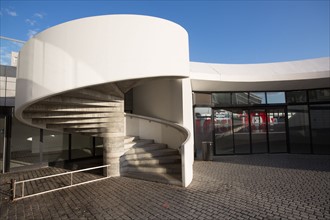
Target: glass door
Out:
[276,130]
[258,131]
[2,140]
[203,128]
[223,131]
[320,125]
[299,132]
[241,129]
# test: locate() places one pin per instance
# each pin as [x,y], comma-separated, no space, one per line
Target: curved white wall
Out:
[98,50]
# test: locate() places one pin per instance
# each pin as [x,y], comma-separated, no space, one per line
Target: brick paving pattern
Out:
[233,187]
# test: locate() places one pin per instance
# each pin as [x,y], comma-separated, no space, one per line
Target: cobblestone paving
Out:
[231,187]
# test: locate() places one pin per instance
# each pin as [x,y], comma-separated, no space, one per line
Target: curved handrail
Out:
[177,126]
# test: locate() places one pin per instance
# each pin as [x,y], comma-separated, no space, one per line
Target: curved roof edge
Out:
[280,71]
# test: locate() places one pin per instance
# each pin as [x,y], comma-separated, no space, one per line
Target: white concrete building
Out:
[79,76]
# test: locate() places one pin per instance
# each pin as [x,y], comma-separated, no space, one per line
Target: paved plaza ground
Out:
[267,186]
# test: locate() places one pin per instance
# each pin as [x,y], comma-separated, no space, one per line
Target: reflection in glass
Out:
[240,98]
[299,129]
[241,131]
[203,128]
[258,131]
[223,132]
[2,141]
[56,146]
[202,99]
[82,146]
[275,97]
[276,130]
[98,146]
[221,99]
[257,98]
[296,97]
[319,95]
[320,124]
[25,147]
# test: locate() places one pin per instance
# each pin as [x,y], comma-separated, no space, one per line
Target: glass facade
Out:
[203,128]
[275,97]
[267,122]
[82,146]
[296,97]
[7,85]
[221,99]
[257,98]
[299,132]
[56,146]
[25,147]
[319,95]
[2,137]
[277,130]
[258,130]
[241,131]
[320,125]
[223,131]
[240,98]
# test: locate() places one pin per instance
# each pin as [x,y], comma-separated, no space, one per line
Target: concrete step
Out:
[154,161]
[129,139]
[152,154]
[146,148]
[137,143]
[173,179]
[163,168]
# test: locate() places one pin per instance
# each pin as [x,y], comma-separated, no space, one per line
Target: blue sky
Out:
[219,31]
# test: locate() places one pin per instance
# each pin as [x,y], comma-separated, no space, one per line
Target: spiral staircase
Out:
[73,78]
[99,112]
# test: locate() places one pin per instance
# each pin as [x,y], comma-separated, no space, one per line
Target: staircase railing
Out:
[175,138]
[181,129]
[71,183]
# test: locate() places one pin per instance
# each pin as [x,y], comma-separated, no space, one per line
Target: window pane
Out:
[203,128]
[319,95]
[296,97]
[224,143]
[276,130]
[299,129]
[221,99]
[202,99]
[25,147]
[241,131]
[240,98]
[81,146]
[320,124]
[275,97]
[257,98]
[258,131]
[2,140]
[98,146]
[56,146]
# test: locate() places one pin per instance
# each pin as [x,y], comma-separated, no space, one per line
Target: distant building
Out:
[14,57]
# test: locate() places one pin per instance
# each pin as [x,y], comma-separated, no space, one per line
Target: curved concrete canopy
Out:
[98,50]
[303,74]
